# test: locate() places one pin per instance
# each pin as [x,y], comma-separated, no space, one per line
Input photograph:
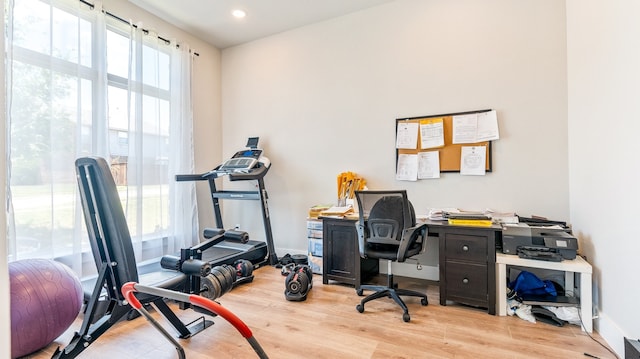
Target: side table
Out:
[569,267]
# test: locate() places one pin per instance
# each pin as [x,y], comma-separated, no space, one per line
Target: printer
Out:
[538,242]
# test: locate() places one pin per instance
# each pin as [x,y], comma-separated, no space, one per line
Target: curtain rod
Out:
[168,42]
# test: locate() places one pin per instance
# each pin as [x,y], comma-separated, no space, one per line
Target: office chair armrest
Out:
[362,232]
[410,236]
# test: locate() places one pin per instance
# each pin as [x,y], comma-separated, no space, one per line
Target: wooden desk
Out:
[471,272]
[569,267]
[467,263]
[467,260]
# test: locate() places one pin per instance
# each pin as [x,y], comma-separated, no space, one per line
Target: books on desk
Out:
[470,222]
[484,218]
[470,219]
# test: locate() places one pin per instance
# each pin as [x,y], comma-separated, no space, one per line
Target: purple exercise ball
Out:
[46,297]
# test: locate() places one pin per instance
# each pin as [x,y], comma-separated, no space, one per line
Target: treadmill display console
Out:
[241,161]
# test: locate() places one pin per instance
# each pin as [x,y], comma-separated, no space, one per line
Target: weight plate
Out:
[222,280]
[232,273]
[227,277]
[207,287]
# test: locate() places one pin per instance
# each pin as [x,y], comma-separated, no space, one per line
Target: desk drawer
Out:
[465,280]
[465,247]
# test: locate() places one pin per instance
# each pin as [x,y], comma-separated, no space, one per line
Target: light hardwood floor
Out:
[327,325]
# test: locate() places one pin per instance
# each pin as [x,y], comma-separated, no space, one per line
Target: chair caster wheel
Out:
[424,301]
[359,292]
[405,317]
[360,308]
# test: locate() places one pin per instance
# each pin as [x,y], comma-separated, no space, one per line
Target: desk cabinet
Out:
[467,264]
[341,256]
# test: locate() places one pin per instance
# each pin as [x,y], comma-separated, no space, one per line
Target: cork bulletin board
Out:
[449,153]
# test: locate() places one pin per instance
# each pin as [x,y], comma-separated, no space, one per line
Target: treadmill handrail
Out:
[185,178]
[257,172]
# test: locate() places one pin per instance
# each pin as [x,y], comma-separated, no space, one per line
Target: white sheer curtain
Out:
[83,83]
[183,206]
[161,140]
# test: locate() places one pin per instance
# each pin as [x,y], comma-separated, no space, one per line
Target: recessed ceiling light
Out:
[239,13]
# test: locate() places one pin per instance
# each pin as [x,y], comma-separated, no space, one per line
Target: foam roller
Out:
[239,236]
[212,232]
[170,262]
[196,267]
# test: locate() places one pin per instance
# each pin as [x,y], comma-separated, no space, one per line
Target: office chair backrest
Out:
[106,223]
[384,215]
[386,219]
[402,207]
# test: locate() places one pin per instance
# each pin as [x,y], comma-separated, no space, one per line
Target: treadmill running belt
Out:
[227,252]
[214,254]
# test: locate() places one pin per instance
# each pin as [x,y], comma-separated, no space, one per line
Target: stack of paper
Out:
[441,214]
[502,217]
[336,212]
[315,211]
[476,219]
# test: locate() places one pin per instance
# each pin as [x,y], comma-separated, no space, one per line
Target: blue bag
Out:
[527,283]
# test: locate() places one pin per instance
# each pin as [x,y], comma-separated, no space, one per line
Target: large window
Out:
[85,83]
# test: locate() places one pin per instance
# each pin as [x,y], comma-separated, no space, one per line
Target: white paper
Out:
[487,127]
[438,214]
[432,133]
[473,160]
[407,168]
[464,128]
[475,127]
[429,165]
[407,135]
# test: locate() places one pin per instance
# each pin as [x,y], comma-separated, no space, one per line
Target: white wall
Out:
[324,99]
[603,53]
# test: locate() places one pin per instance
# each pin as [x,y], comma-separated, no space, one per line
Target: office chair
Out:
[114,257]
[387,230]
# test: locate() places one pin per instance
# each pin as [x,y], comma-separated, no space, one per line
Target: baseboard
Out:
[612,334]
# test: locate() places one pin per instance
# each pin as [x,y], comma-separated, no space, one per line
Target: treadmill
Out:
[244,165]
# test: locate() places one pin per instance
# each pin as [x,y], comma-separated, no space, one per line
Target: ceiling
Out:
[211,20]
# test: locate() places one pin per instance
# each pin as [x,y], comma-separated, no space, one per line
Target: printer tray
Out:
[539,253]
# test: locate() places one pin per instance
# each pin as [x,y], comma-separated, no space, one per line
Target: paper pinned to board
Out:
[407,168]
[487,126]
[473,160]
[429,165]
[475,127]
[432,133]
[407,135]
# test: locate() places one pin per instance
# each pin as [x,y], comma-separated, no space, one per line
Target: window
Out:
[84,83]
